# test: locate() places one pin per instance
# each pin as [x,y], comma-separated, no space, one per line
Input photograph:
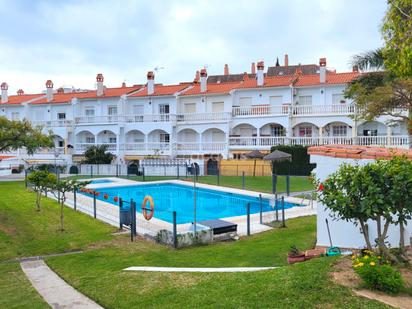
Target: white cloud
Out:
[71,41]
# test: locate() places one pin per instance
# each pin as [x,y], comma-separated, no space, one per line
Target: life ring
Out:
[145,214]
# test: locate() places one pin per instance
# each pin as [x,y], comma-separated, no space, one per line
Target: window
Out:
[112,140]
[90,139]
[189,108]
[276,100]
[112,110]
[245,101]
[340,130]
[305,100]
[218,107]
[89,111]
[15,116]
[60,144]
[338,99]
[370,132]
[164,138]
[276,130]
[61,116]
[138,110]
[164,109]
[305,131]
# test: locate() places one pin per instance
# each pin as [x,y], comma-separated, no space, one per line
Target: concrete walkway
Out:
[198,269]
[55,291]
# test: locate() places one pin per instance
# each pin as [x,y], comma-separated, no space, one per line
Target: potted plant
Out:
[295,256]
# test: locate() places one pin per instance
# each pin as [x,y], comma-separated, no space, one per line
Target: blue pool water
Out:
[167,197]
[98,181]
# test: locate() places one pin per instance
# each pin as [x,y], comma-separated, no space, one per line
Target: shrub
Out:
[376,273]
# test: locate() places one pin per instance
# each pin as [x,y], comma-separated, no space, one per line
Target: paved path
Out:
[198,269]
[55,291]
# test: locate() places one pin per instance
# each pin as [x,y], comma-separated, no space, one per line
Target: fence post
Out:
[218,177]
[243,180]
[134,218]
[94,205]
[261,209]
[287,185]
[120,213]
[248,218]
[143,174]
[91,171]
[25,178]
[131,221]
[283,212]
[75,200]
[117,170]
[274,183]
[174,230]
[276,207]
[177,166]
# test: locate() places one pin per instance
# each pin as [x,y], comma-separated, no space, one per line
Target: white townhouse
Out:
[220,116]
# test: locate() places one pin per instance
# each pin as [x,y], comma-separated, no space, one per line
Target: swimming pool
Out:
[169,197]
[99,181]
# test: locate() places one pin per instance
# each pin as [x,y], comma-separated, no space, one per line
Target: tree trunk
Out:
[61,216]
[401,237]
[365,231]
[38,198]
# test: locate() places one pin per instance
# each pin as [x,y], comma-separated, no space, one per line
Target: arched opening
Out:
[337,129]
[84,140]
[135,140]
[372,128]
[243,135]
[188,139]
[214,140]
[305,129]
[107,137]
[158,141]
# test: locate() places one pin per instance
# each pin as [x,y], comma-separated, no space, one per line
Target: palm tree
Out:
[369,60]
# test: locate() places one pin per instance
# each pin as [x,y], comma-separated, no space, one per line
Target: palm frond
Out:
[369,61]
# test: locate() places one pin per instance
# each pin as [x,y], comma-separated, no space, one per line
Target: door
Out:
[164,112]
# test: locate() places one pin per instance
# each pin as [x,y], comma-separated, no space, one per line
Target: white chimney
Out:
[150,83]
[253,68]
[49,90]
[322,70]
[260,77]
[20,92]
[4,95]
[203,80]
[100,87]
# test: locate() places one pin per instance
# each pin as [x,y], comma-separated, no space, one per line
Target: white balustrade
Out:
[334,109]
[260,110]
[203,117]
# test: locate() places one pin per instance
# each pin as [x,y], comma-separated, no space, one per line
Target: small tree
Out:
[41,181]
[17,134]
[60,189]
[98,155]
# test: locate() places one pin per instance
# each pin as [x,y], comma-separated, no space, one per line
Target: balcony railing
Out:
[149,118]
[96,119]
[334,109]
[201,147]
[260,110]
[150,146]
[203,117]
[52,123]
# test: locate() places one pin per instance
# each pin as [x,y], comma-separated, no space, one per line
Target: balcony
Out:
[148,118]
[200,148]
[195,117]
[53,123]
[96,119]
[334,109]
[150,147]
[258,110]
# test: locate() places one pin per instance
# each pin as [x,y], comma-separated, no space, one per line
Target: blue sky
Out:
[71,41]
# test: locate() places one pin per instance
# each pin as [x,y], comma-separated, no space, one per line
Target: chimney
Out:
[260,77]
[286,60]
[203,80]
[355,68]
[124,85]
[150,83]
[245,76]
[100,88]
[60,90]
[49,90]
[226,69]
[20,92]
[322,70]
[197,77]
[4,96]
[253,68]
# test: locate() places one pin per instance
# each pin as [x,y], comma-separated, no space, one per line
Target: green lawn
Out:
[16,289]
[98,274]
[258,183]
[26,232]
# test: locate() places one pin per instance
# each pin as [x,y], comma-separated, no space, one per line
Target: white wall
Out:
[346,234]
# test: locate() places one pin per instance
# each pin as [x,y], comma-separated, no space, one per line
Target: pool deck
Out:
[109,213]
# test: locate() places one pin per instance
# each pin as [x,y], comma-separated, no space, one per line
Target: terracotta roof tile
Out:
[161,90]
[218,88]
[19,99]
[359,152]
[6,157]
[331,78]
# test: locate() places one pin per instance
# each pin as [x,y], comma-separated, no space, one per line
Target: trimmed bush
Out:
[377,274]
[300,165]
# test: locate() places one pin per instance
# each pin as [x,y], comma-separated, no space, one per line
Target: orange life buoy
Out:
[145,214]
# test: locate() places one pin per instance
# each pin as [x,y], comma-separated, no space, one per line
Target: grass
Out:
[258,183]
[98,274]
[26,232]
[16,290]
